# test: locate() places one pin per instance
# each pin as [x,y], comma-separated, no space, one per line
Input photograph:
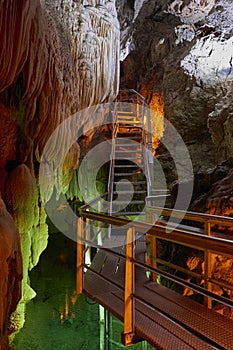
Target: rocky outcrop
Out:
[10,273]
[180,50]
[220,125]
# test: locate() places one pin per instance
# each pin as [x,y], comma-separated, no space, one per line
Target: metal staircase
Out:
[128,177]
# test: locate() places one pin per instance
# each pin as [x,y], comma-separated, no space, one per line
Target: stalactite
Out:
[56,57]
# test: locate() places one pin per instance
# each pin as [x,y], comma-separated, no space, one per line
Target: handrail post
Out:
[207,268]
[80,256]
[153,252]
[152,247]
[129,310]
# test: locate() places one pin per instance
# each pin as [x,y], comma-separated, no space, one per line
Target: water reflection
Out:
[59,319]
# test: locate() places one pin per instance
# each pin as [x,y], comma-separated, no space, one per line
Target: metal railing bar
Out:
[188,215]
[183,283]
[183,237]
[133,92]
[179,268]
[173,266]
[93,201]
[194,274]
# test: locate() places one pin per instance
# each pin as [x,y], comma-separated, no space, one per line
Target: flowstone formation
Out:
[10,272]
[56,58]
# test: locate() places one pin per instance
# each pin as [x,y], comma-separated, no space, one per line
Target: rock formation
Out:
[56,58]
[10,273]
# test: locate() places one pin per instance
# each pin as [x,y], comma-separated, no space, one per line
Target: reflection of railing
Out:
[185,236]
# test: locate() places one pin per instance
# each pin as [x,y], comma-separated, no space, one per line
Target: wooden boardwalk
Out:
[164,318]
[117,278]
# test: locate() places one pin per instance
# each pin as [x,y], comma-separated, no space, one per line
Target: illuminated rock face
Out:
[10,272]
[56,58]
[182,51]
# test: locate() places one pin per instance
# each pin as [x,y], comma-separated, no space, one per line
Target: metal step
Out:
[127,122]
[126,112]
[123,142]
[129,213]
[128,192]
[134,138]
[126,202]
[127,182]
[133,158]
[128,118]
[130,135]
[127,166]
[127,174]
[128,151]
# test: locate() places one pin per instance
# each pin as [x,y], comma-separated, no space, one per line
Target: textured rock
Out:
[181,51]
[220,126]
[10,272]
[56,58]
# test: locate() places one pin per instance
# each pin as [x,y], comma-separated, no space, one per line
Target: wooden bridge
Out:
[124,275]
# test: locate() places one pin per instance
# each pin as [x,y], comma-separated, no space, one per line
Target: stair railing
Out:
[147,149]
[112,161]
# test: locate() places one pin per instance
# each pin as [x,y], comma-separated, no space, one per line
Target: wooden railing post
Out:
[207,268]
[129,310]
[80,256]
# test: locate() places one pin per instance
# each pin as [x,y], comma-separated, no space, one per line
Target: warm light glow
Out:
[156,103]
[67,305]
[67,313]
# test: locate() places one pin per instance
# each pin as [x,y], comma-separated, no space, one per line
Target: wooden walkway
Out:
[117,278]
[164,318]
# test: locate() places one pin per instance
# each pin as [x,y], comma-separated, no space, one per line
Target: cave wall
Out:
[59,57]
[56,58]
[181,50]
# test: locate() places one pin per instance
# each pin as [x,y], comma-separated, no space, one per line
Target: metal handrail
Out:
[192,216]
[181,236]
[93,201]
[177,235]
[134,92]
[112,162]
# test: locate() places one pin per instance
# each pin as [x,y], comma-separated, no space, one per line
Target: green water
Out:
[49,323]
